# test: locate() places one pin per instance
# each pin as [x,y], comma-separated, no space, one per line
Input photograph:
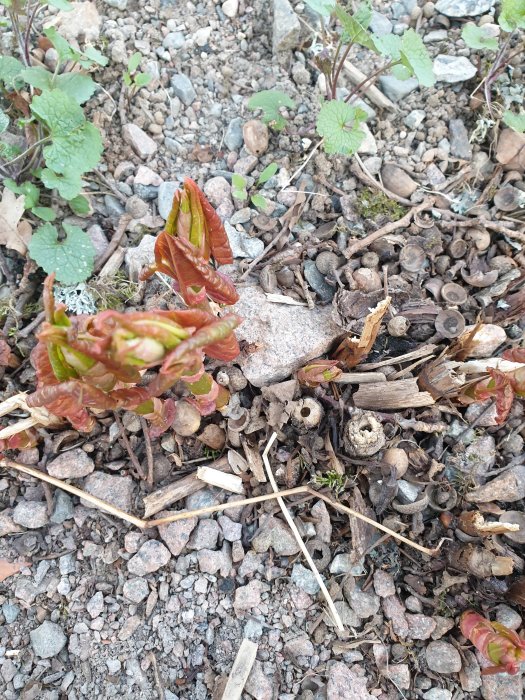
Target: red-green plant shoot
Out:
[497,643]
[193,238]
[95,363]
[319,372]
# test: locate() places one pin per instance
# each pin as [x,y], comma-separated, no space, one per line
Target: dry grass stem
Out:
[335,615]
[214,477]
[240,670]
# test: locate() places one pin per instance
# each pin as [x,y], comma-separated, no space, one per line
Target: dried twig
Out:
[114,242]
[293,527]
[149,451]
[356,246]
[240,670]
[491,225]
[183,515]
[373,93]
[216,477]
[124,439]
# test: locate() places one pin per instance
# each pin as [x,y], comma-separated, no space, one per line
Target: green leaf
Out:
[141,79]
[76,144]
[68,185]
[4,121]
[94,55]
[414,55]
[267,173]
[63,5]
[322,7]
[259,201]
[80,205]
[28,189]
[37,77]
[126,77]
[238,182]
[515,121]
[9,70]
[71,259]
[270,101]
[338,123]
[44,213]
[134,61]
[77,85]
[8,151]
[512,15]
[479,37]
[401,72]
[355,27]
[388,45]
[65,51]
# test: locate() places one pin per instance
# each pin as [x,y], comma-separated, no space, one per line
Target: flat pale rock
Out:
[507,487]
[397,180]
[73,464]
[453,69]
[143,145]
[345,684]
[150,557]
[82,22]
[510,151]
[463,8]
[286,27]
[283,337]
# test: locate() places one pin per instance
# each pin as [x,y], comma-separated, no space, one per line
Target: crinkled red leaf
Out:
[20,441]
[514,355]
[160,414]
[495,642]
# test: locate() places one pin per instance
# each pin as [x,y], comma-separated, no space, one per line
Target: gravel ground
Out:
[105,610]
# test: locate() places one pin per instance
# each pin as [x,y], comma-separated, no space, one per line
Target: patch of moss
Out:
[372,204]
[113,293]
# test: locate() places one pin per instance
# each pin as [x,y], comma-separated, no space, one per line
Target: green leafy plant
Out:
[270,102]
[71,259]
[332,480]
[504,47]
[339,122]
[44,110]
[240,190]
[134,79]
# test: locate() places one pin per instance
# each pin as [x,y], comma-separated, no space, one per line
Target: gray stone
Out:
[95,605]
[113,205]
[48,640]
[117,4]
[438,694]
[463,8]
[151,556]
[368,145]
[205,536]
[10,612]
[304,579]
[242,216]
[286,27]
[323,527]
[231,530]
[345,684]
[143,145]
[253,629]
[507,487]
[117,490]
[420,626]
[285,337]
[248,597]
[396,89]
[453,69]
[415,118]
[443,657]
[384,584]
[435,35]
[276,534]
[233,137]
[363,603]
[174,40]
[98,238]
[138,257]
[299,650]
[146,192]
[505,615]
[31,514]
[113,665]
[395,612]
[379,24]
[183,88]
[458,136]
[218,191]
[212,561]
[176,535]
[135,589]
[259,685]
[318,282]
[165,197]
[136,207]
[203,499]
[407,492]
[501,686]
[73,464]
[342,564]
[7,524]
[242,245]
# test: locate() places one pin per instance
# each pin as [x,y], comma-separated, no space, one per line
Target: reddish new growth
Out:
[502,386]
[497,643]
[112,360]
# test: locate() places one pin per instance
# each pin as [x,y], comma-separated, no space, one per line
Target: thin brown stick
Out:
[183,515]
[333,610]
[149,451]
[356,246]
[133,457]
[492,225]
[10,464]
[114,243]
[156,675]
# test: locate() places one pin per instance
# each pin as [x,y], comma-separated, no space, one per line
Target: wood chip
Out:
[214,477]
[386,396]
[240,670]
